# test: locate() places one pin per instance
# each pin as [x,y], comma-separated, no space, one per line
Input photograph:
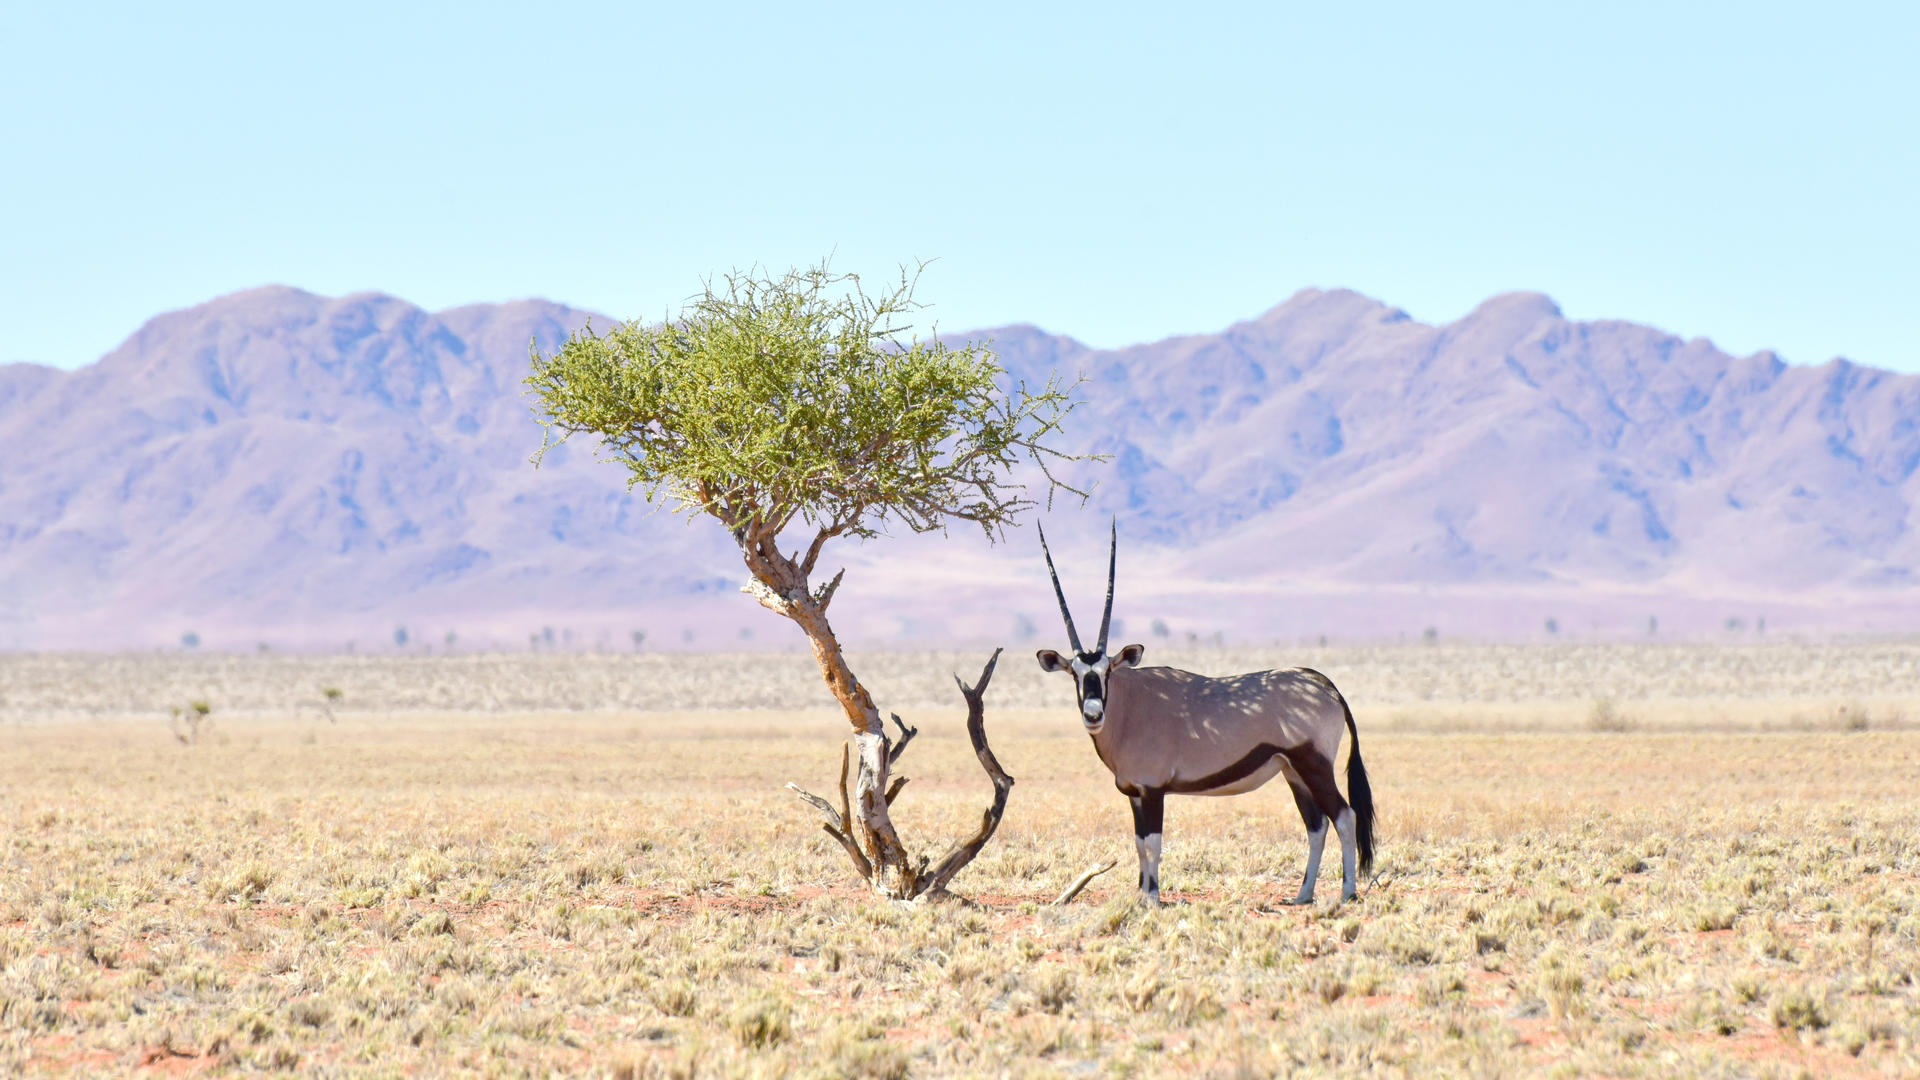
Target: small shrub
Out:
[1715,915]
[1190,1004]
[1605,716]
[1561,982]
[1797,1010]
[1140,990]
[433,923]
[1054,987]
[190,723]
[761,1023]
[1850,1037]
[675,998]
[858,1058]
[309,1013]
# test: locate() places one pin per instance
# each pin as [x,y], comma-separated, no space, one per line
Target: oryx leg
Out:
[1316,823]
[1316,775]
[1149,811]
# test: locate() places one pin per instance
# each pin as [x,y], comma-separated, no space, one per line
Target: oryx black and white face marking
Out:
[1089,682]
[1090,671]
[1092,679]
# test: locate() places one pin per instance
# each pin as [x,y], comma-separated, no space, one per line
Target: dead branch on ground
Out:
[1066,896]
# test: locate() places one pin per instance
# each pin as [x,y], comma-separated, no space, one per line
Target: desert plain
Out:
[1594,860]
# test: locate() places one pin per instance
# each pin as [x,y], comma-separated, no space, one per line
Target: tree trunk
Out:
[887,866]
[862,824]
[893,875]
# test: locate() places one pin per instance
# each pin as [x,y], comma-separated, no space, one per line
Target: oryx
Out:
[1162,731]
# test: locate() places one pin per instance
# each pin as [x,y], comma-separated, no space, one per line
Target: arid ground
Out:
[1594,861]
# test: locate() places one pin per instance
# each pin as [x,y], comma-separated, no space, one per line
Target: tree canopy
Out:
[770,400]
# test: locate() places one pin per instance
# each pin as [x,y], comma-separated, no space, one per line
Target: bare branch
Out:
[963,853]
[825,596]
[859,857]
[838,825]
[895,749]
[1080,882]
[898,783]
[835,821]
[820,541]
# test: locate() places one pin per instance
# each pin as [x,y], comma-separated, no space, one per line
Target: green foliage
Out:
[190,723]
[802,397]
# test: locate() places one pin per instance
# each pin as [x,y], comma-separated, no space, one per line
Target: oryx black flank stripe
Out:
[1255,760]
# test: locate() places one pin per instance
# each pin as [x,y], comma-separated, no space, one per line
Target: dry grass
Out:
[1726,887]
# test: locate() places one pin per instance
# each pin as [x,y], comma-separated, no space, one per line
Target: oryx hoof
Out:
[1299,901]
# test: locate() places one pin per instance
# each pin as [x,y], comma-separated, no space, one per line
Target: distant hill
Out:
[284,468]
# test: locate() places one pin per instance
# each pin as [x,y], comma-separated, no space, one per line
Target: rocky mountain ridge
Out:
[284,468]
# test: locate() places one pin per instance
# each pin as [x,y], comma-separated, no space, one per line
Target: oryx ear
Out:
[1130,656]
[1050,660]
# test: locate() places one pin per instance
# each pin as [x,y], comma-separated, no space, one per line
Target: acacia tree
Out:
[797,410]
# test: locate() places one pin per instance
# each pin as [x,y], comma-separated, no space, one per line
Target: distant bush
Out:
[191,722]
[1604,715]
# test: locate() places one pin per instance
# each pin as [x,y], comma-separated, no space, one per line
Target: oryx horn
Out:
[1072,635]
[1106,615]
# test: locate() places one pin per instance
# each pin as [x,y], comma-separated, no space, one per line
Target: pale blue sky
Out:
[1742,171]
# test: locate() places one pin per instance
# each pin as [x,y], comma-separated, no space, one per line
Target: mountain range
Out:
[275,468]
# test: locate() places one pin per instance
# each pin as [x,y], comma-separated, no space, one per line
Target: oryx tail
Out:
[1359,792]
